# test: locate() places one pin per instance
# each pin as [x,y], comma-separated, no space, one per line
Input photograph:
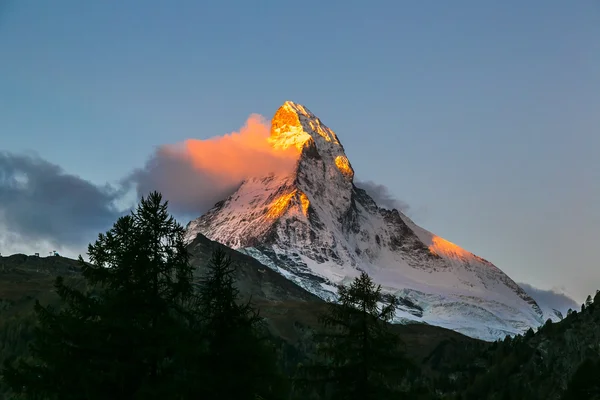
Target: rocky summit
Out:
[316,228]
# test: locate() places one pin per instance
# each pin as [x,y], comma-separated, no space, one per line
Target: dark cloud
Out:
[382,196]
[190,191]
[39,202]
[552,298]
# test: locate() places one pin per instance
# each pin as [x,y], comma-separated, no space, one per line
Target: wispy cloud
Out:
[553,298]
[382,196]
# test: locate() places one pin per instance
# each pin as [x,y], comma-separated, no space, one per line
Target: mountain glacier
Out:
[316,228]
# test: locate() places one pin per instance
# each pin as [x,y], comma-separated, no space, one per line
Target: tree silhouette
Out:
[358,357]
[241,363]
[121,336]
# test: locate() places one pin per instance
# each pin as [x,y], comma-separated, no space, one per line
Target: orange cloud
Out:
[239,155]
[196,174]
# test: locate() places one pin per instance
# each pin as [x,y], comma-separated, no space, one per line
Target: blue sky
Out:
[483,117]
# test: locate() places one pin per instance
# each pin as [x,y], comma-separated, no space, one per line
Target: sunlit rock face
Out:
[317,229]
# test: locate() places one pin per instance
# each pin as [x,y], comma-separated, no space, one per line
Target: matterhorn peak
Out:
[295,125]
[316,228]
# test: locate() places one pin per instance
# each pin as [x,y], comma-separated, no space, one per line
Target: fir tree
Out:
[529,334]
[358,356]
[122,336]
[570,312]
[241,364]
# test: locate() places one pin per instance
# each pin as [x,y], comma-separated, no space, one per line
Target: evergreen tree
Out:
[529,334]
[358,357]
[123,336]
[241,364]
[570,312]
[588,301]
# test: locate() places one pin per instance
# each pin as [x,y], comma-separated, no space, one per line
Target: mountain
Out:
[317,229]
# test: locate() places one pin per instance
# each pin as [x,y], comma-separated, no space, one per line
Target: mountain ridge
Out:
[316,228]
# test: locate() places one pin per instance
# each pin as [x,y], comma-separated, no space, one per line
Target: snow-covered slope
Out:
[315,227]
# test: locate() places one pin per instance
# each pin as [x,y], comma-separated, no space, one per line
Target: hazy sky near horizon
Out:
[484,117]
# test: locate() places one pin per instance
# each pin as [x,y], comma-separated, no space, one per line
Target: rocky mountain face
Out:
[316,228]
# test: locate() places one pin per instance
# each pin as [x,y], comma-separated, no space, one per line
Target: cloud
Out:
[553,298]
[43,207]
[196,174]
[42,204]
[382,196]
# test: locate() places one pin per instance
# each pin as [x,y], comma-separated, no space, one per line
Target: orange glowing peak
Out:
[441,246]
[344,166]
[293,124]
